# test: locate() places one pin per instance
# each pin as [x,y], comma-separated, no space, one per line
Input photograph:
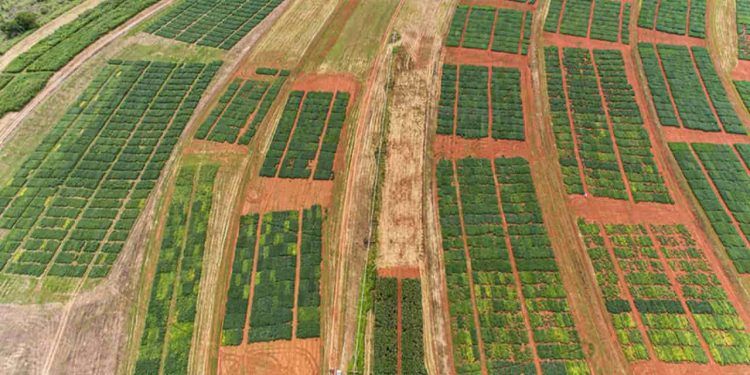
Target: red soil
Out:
[571,41]
[560,17]
[672,134]
[470,56]
[295,357]
[328,82]
[687,17]
[447,147]
[622,26]
[591,16]
[607,210]
[500,4]
[279,194]
[653,36]
[399,272]
[656,13]
[741,72]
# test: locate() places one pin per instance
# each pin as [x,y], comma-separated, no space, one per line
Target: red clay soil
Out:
[516,277]
[610,126]
[687,17]
[507,4]
[459,56]
[673,134]
[279,194]
[571,41]
[619,31]
[201,146]
[328,82]
[591,15]
[741,72]
[656,13]
[399,272]
[607,210]
[469,273]
[295,357]
[653,36]
[560,16]
[448,147]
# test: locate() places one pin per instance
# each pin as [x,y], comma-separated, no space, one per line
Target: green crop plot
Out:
[489,28]
[516,301]
[240,110]
[385,335]
[686,84]
[307,136]
[278,249]
[672,17]
[590,129]
[71,205]
[32,69]
[722,191]
[167,336]
[631,263]
[220,24]
[470,93]
[596,19]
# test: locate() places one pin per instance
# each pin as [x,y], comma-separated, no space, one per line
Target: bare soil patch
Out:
[450,147]
[653,36]
[500,4]
[399,272]
[570,41]
[672,134]
[294,357]
[280,194]
[480,57]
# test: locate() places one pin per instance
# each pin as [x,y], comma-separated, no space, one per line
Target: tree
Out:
[23,22]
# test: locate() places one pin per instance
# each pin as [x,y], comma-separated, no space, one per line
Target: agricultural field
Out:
[43,11]
[686,89]
[488,28]
[718,177]
[70,207]
[26,75]
[664,299]
[219,24]
[274,290]
[680,17]
[509,312]
[241,109]
[605,20]
[307,136]
[480,102]
[603,147]
[168,333]
[397,333]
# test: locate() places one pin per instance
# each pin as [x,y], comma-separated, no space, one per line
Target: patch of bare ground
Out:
[654,36]
[199,146]
[293,357]
[450,147]
[399,272]
[741,72]
[279,194]
[508,4]
[227,188]
[479,57]
[672,134]
[569,41]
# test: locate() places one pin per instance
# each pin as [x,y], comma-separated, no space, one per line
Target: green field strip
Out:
[631,137]
[490,28]
[504,331]
[168,332]
[716,93]
[308,295]
[412,339]
[674,17]
[657,85]
[219,24]
[728,232]
[74,200]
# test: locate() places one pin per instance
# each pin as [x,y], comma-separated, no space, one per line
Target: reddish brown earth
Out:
[450,147]
[295,357]
[673,134]
[399,272]
[480,57]
[564,41]
[328,82]
[653,36]
[607,210]
[500,4]
[742,71]
[279,194]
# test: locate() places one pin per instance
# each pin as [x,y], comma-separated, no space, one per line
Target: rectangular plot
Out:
[99,152]
[657,85]
[490,28]
[605,24]
[168,333]
[724,109]
[479,28]
[575,17]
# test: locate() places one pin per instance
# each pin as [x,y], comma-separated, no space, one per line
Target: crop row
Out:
[73,202]
[168,332]
[279,248]
[470,93]
[241,109]
[514,284]
[608,21]
[686,71]
[220,24]
[489,28]
[633,264]
[672,17]
[742,10]
[31,70]
[387,303]
[297,150]
[725,174]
